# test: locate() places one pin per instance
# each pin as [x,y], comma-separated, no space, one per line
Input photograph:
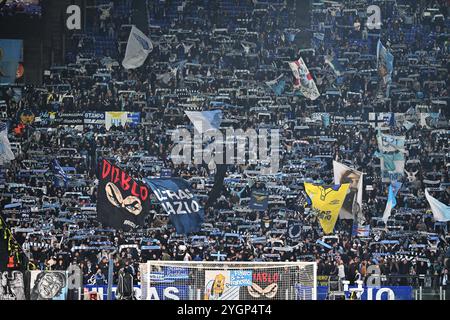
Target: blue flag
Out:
[58,173]
[259,201]
[205,120]
[392,120]
[277,85]
[177,200]
[335,65]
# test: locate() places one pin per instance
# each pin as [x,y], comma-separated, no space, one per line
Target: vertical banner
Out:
[352,207]
[113,118]
[11,53]
[385,66]
[123,203]
[392,156]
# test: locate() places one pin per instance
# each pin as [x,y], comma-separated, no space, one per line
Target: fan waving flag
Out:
[441,212]
[303,79]
[205,120]
[59,174]
[392,201]
[138,48]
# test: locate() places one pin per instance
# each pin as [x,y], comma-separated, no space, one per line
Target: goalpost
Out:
[215,280]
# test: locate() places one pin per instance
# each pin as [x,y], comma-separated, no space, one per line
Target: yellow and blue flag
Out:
[327,202]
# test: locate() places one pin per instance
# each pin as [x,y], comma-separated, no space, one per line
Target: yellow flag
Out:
[328,202]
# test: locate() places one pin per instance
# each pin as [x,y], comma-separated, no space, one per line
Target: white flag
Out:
[441,212]
[138,48]
[205,120]
[246,48]
[6,153]
[303,79]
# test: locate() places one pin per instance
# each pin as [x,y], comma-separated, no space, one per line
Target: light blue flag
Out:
[277,85]
[335,65]
[290,36]
[394,187]
[205,120]
[11,53]
[441,211]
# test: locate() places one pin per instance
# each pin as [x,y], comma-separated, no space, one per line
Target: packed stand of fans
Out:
[219,55]
[11,8]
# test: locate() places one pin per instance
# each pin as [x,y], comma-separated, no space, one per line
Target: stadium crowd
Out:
[219,55]
[10,8]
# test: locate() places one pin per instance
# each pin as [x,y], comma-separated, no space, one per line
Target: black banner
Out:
[123,203]
[218,185]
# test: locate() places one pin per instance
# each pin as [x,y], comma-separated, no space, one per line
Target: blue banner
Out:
[375,293]
[166,173]
[177,200]
[11,53]
[134,118]
[158,292]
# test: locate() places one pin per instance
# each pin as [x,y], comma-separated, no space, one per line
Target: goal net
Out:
[182,280]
